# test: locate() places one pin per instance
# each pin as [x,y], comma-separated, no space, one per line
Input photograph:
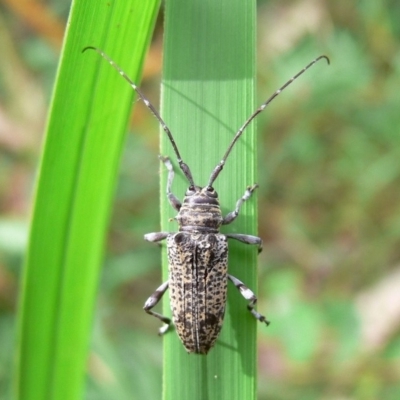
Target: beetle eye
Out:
[211,192]
[190,191]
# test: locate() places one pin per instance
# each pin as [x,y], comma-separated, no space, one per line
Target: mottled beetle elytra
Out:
[198,252]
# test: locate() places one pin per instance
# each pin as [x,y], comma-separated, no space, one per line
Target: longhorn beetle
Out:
[198,252]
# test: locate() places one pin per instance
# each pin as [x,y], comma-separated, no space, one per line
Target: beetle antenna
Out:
[183,166]
[263,106]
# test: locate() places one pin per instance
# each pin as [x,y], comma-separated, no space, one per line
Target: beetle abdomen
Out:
[198,283]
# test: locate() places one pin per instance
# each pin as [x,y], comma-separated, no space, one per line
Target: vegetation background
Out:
[329,198]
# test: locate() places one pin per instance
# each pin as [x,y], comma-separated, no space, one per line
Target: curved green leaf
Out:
[85,135]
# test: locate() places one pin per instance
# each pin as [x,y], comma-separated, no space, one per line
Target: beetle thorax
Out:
[200,211]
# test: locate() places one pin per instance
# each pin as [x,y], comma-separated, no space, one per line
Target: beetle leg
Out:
[248,295]
[152,301]
[173,200]
[248,239]
[156,236]
[233,214]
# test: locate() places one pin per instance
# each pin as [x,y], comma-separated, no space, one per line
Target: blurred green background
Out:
[329,202]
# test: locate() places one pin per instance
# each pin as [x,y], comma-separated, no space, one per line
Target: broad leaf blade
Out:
[208,92]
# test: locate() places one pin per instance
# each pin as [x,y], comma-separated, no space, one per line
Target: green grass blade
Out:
[85,135]
[208,92]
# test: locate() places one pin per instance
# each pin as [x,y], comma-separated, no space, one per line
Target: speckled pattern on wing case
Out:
[198,282]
